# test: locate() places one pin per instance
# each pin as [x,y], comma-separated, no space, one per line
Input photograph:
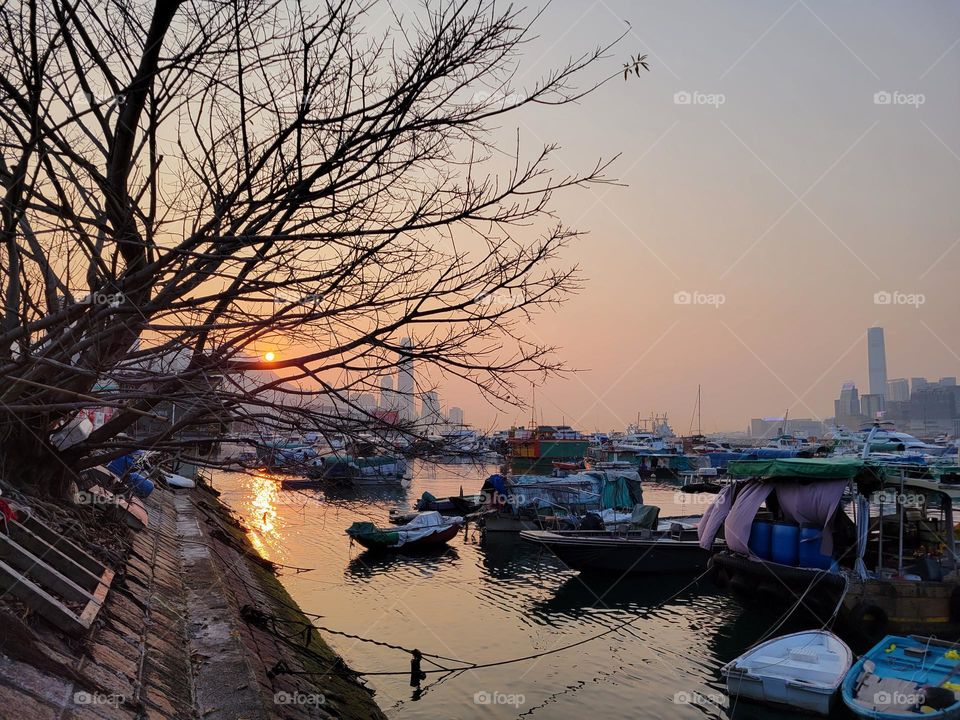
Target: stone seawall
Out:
[195,625]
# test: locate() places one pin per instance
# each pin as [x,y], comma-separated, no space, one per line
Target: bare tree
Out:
[187,184]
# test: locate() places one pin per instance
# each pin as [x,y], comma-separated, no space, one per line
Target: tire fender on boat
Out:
[955,605]
[869,620]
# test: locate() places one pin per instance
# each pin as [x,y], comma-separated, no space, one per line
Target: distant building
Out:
[877,361]
[872,406]
[367,402]
[388,401]
[948,381]
[405,381]
[846,408]
[917,383]
[430,408]
[898,390]
[456,416]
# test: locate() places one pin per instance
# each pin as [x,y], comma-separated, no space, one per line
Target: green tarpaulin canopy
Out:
[797,468]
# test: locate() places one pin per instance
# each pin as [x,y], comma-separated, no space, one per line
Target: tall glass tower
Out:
[877,361]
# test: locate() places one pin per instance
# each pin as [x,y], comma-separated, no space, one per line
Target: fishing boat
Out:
[651,545]
[427,529]
[854,538]
[358,470]
[531,502]
[538,448]
[803,670]
[905,677]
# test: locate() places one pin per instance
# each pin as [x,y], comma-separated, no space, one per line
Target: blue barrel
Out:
[141,485]
[785,543]
[759,542]
[811,537]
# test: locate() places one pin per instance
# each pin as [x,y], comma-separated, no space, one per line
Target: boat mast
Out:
[699,430]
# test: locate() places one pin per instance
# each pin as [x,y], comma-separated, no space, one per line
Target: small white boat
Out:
[177,481]
[802,670]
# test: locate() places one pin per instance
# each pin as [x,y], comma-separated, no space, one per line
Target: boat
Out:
[532,502]
[856,539]
[538,448]
[905,676]
[803,671]
[426,530]
[358,470]
[652,545]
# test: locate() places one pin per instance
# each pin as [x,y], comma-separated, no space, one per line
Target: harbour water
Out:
[499,599]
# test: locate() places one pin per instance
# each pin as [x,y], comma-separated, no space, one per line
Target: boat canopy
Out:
[797,468]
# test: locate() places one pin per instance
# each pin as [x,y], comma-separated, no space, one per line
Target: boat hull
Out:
[608,553]
[869,608]
[374,541]
[901,667]
[767,674]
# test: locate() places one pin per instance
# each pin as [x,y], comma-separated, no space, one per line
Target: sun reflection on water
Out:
[262,517]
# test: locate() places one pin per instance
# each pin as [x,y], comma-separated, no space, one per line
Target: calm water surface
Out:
[500,599]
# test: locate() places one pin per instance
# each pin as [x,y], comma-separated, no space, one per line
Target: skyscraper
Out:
[877,361]
[405,381]
[898,390]
[456,416]
[387,399]
[430,408]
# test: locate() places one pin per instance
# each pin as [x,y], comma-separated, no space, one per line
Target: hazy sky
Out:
[786,185]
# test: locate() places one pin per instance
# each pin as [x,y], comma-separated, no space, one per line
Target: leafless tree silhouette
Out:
[185,185]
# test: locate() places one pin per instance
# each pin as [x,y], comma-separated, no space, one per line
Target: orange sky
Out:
[789,161]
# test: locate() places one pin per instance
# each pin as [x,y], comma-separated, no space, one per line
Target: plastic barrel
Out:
[809,553]
[760,536]
[785,543]
[141,486]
